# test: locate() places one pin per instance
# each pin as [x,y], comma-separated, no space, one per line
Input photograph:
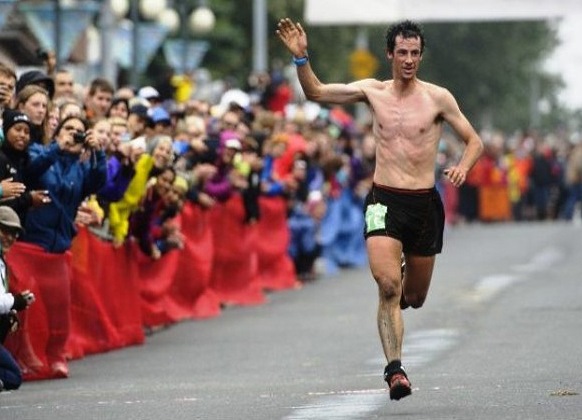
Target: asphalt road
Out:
[498,338]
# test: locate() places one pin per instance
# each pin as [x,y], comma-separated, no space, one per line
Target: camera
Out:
[79,137]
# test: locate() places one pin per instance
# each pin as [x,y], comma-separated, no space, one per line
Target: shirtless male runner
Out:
[403,213]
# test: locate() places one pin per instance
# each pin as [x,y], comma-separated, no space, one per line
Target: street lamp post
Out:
[259,35]
[182,52]
[57,32]
[107,23]
[134,17]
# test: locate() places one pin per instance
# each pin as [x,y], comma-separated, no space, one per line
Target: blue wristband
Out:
[300,61]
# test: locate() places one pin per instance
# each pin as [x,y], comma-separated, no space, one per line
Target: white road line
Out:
[341,407]
[489,286]
[420,347]
[541,261]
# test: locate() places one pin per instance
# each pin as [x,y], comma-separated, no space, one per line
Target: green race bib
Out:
[375,217]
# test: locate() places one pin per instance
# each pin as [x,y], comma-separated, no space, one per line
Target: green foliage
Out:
[494,69]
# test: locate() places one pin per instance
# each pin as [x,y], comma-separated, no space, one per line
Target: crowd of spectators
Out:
[123,162]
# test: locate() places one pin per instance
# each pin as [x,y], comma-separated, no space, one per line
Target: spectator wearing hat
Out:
[36,77]
[33,100]
[14,165]
[150,94]
[98,99]
[226,181]
[137,120]
[160,121]
[10,303]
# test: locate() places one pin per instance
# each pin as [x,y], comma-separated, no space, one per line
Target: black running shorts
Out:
[414,217]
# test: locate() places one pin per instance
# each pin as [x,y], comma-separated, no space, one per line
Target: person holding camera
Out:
[74,167]
[10,303]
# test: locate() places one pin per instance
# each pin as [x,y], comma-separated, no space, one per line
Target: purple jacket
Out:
[118,178]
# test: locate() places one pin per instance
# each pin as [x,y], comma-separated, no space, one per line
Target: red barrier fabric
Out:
[105,307]
[234,271]
[190,296]
[97,298]
[45,327]
[175,287]
[275,266]
[155,278]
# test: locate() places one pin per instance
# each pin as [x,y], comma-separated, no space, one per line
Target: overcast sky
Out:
[568,59]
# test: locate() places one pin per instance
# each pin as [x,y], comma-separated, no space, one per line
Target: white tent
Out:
[341,12]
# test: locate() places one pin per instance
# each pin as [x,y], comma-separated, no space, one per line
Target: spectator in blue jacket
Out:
[76,168]
[69,180]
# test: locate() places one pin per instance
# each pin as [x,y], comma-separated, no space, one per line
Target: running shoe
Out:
[398,384]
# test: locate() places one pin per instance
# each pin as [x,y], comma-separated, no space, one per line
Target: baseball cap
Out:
[148,92]
[159,115]
[139,110]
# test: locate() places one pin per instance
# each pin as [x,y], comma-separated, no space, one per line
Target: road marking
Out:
[341,407]
[541,261]
[420,347]
[490,286]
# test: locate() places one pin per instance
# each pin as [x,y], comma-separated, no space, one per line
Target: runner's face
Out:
[406,57]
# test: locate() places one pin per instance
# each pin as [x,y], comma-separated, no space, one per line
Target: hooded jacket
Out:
[69,181]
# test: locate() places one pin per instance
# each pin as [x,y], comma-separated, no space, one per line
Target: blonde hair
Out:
[117,121]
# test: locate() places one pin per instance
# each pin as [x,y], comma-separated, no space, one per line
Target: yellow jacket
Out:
[120,211]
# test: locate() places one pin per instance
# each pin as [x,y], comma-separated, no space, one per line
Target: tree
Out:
[494,69]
